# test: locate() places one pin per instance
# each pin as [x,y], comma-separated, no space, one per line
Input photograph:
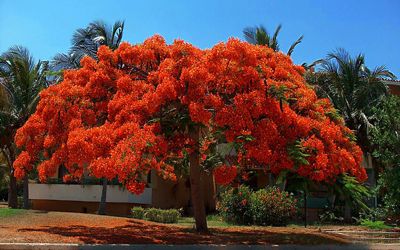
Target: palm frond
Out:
[274,41]
[86,42]
[250,35]
[23,79]
[297,42]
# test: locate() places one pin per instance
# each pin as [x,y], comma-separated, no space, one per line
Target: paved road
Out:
[24,246]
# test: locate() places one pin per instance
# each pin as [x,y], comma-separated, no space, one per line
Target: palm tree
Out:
[21,80]
[352,88]
[260,35]
[86,41]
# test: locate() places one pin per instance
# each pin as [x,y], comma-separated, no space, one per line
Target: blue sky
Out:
[369,27]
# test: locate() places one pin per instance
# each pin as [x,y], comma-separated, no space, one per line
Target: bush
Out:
[137,212]
[153,214]
[20,201]
[234,206]
[265,207]
[331,215]
[161,215]
[272,207]
[374,214]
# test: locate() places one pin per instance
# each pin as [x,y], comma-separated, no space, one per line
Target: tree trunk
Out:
[12,188]
[12,191]
[26,192]
[195,182]
[347,212]
[102,205]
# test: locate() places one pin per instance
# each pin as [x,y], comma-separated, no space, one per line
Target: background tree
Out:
[352,88]
[385,138]
[21,79]
[86,41]
[153,106]
[260,35]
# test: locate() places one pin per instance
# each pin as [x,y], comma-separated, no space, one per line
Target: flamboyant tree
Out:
[155,106]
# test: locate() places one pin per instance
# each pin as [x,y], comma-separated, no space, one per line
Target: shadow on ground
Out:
[138,232]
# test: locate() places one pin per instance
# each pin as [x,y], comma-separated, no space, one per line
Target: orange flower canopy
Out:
[129,112]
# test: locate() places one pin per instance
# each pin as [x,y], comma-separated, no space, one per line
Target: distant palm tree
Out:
[21,80]
[86,41]
[352,88]
[260,35]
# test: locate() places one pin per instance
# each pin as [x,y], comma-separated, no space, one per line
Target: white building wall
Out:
[88,193]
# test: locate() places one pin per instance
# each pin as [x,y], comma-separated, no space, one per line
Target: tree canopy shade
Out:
[154,106]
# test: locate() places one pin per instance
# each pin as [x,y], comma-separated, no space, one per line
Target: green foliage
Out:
[21,78]
[86,41]
[386,133]
[334,115]
[234,206]
[297,153]
[352,88]
[329,216]
[377,225]
[348,189]
[272,207]
[385,137]
[138,212]
[260,35]
[389,186]
[378,213]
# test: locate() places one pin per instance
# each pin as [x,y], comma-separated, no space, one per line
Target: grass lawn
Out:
[61,227]
[8,212]
[212,221]
[376,225]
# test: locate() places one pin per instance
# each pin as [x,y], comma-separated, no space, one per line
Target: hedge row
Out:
[156,215]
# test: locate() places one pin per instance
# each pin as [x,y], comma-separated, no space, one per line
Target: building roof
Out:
[392,82]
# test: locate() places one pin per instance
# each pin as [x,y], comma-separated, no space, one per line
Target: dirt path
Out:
[59,227]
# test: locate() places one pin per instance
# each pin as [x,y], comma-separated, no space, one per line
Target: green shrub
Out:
[20,202]
[272,207]
[171,216]
[234,206]
[265,207]
[331,215]
[374,214]
[137,212]
[153,214]
[163,216]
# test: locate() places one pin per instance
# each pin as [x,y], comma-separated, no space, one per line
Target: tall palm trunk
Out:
[195,182]
[12,188]
[103,204]
[12,191]
[26,192]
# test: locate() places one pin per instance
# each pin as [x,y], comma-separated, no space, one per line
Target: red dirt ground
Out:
[58,227]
